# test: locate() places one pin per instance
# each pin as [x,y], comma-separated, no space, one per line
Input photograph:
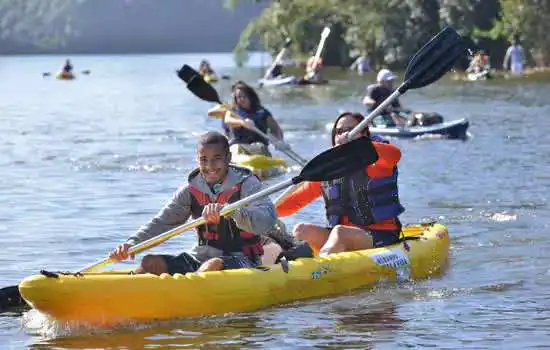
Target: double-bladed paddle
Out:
[329,165]
[85,72]
[200,88]
[324,35]
[277,59]
[429,64]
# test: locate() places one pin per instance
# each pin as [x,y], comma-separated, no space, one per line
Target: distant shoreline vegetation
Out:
[391,32]
[70,27]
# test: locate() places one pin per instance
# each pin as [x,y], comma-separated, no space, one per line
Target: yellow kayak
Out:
[210,78]
[261,165]
[113,297]
[65,76]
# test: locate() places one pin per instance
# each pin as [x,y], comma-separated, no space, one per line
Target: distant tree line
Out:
[390,31]
[120,26]
[28,23]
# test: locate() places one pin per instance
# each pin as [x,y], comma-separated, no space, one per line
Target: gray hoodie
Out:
[257,217]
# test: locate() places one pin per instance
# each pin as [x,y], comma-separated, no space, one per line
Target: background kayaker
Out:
[67,67]
[205,68]
[248,106]
[276,72]
[225,243]
[377,93]
[362,64]
[314,65]
[480,63]
[516,57]
[362,209]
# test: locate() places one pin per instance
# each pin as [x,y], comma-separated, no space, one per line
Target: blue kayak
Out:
[455,129]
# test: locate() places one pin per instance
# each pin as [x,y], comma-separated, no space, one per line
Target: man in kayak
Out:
[248,106]
[230,242]
[362,209]
[378,93]
[67,67]
[516,56]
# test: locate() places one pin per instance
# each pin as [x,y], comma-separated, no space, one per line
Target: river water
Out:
[85,162]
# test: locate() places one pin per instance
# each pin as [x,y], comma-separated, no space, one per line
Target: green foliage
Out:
[529,20]
[388,30]
[391,30]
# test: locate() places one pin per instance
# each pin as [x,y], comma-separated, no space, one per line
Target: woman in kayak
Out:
[248,106]
[230,242]
[362,209]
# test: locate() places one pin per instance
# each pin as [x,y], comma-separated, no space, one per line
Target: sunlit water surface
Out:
[85,162]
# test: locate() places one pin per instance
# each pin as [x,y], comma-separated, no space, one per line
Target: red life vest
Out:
[225,236]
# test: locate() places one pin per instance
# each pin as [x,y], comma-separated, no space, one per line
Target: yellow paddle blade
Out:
[258,161]
[217,111]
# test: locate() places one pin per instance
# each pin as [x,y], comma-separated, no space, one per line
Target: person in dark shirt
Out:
[67,67]
[377,93]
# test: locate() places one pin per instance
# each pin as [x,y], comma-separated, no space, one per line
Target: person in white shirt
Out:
[516,56]
[362,64]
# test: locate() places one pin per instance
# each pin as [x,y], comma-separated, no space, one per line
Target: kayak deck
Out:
[113,297]
[261,165]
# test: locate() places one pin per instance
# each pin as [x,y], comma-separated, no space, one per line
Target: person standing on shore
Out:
[362,64]
[516,56]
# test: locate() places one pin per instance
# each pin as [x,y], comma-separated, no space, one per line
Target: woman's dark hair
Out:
[214,138]
[255,102]
[357,116]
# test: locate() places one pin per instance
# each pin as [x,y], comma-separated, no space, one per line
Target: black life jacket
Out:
[245,136]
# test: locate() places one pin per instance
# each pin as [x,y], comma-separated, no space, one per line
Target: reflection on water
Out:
[231,331]
[345,324]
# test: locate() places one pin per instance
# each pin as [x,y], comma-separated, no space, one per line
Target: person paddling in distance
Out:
[362,209]
[314,65]
[225,243]
[378,93]
[276,72]
[248,106]
[67,67]
[205,68]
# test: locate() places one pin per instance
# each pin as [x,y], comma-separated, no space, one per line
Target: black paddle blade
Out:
[197,85]
[339,161]
[433,60]
[10,298]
